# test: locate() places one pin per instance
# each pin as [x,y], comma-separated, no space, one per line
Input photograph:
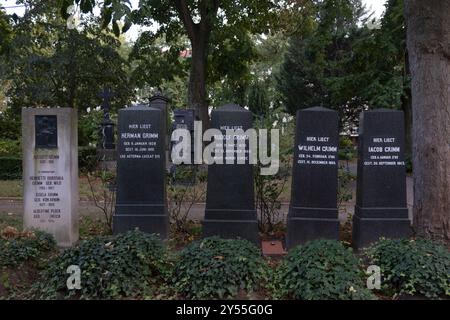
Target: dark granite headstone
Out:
[184,119]
[381,209]
[184,174]
[46,131]
[230,203]
[313,212]
[141,173]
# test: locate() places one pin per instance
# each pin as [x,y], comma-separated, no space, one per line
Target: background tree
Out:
[50,65]
[380,66]
[200,20]
[5,31]
[428,38]
[315,69]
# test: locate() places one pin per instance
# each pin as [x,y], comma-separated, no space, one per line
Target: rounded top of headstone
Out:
[322,109]
[137,107]
[231,107]
[383,110]
[158,96]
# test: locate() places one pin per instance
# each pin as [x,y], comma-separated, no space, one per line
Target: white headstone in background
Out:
[50,172]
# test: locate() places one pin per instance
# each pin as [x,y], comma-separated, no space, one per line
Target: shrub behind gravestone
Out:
[412,267]
[128,265]
[320,270]
[219,268]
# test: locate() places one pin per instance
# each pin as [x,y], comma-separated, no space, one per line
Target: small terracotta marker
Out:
[273,248]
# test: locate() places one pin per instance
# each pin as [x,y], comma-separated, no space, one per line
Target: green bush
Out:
[320,270]
[10,168]
[10,159]
[10,126]
[219,268]
[10,148]
[23,247]
[89,127]
[128,265]
[87,158]
[412,267]
[346,149]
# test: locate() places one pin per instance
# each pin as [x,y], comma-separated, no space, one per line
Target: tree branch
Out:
[207,13]
[185,16]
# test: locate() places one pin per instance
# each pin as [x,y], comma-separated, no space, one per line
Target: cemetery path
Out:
[87,208]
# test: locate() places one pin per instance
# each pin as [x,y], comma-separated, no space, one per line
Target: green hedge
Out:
[10,168]
[10,148]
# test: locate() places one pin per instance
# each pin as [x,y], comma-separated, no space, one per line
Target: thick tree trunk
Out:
[407,109]
[197,80]
[428,33]
[198,34]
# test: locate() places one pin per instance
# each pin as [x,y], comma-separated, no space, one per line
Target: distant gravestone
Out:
[50,172]
[141,173]
[313,212]
[184,174]
[107,126]
[381,209]
[230,204]
[184,119]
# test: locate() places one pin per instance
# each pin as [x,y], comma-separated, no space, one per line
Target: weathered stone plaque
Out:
[313,212]
[46,131]
[381,209]
[50,172]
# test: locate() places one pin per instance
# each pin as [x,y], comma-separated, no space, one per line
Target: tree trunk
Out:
[428,38]
[198,34]
[197,80]
[407,109]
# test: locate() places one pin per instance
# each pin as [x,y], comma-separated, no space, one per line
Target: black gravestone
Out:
[184,119]
[381,209]
[184,174]
[230,203]
[46,134]
[107,126]
[141,174]
[313,212]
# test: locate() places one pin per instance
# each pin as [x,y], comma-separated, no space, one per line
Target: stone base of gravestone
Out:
[150,223]
[381,209]
[313,212]
[50,172]
[368,230]
[302,230]
[229,229]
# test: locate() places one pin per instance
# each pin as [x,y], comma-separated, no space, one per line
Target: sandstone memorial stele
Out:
[50,172]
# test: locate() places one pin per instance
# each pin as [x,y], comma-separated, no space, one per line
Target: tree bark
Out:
[197,80]
[428,40]
[407,109]
[198,34]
